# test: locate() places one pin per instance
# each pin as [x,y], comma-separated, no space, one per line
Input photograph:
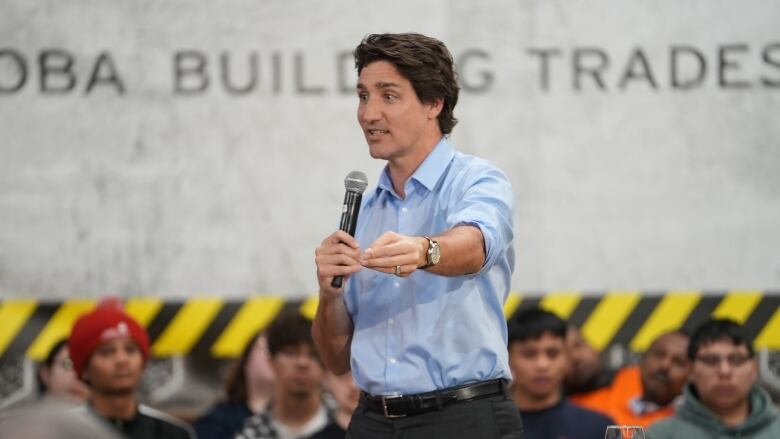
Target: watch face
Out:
[435,255]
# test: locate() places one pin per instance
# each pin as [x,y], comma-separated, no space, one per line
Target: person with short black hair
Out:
[539,360]
[722,398]
[296,409]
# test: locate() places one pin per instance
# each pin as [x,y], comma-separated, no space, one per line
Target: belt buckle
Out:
[384,407]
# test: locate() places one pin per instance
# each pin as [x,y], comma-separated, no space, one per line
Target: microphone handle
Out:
[349,216]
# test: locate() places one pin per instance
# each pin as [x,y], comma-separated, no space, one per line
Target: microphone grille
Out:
[356,181]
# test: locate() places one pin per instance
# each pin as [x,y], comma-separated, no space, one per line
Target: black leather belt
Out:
[409,405]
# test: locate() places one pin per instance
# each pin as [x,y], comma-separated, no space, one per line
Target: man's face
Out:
[538,365]
[394,121]
[585,361]
[298,371]
[115,367]
[664,368]
[723,374]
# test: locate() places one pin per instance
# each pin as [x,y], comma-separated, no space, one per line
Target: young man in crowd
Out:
[722,399]
[539,361]
[645,393]
[296,409]
[109,351]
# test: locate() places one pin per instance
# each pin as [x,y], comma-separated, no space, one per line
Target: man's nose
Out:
[370,111]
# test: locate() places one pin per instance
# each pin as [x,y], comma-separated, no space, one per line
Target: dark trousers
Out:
[496,417]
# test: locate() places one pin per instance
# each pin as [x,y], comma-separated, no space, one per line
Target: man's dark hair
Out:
[713,330]
[289,328]
[424,61]
[532,323]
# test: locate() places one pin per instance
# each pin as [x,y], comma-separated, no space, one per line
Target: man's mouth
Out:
[377,132]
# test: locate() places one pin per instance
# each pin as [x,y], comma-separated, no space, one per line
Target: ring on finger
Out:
[397,270]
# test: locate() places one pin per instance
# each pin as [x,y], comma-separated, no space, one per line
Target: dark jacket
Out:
[148,423]
[222,421]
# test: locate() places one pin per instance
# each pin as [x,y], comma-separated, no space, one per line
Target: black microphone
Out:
[355,183]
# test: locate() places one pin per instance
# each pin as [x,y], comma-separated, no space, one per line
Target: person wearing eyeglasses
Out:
[722,399]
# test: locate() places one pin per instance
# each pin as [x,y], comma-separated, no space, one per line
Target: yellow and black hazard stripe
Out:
[220,328]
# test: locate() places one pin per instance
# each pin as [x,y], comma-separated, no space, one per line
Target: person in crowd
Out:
[248,388]
[56,379]
[109,350]
[722,399]
[644,393]
[420,319]
[53,421]
[588,374]
[296,409]
[539,361]
[342,395]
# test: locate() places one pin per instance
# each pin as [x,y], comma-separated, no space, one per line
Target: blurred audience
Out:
[588,373]
[722,399]
[342,396]
[539,360]
[109,351]
[248,389]
[56,379]
[53,421]
[296,409]
[645,393]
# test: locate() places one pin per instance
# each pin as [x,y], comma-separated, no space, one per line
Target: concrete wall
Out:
[138,156]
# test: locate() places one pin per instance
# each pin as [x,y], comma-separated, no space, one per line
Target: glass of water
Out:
[625,432]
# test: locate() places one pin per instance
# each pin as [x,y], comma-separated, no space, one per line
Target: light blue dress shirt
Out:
[426,331]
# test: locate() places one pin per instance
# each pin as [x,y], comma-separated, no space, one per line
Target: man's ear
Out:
[435,107]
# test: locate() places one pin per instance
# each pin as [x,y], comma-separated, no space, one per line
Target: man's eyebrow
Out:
[361,86]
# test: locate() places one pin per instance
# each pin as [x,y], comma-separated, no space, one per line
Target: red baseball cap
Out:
[106,322]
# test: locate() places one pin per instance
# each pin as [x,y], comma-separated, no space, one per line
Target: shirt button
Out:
[403,210]
[391,321]
[392,361]
[396,284]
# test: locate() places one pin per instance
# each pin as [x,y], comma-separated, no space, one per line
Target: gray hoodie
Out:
[693,420]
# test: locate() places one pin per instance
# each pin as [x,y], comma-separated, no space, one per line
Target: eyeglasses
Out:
[734,360]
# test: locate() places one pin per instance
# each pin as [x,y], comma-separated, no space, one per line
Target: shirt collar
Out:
[427,174]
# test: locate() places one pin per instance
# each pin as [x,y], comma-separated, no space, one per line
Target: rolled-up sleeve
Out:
[487,203]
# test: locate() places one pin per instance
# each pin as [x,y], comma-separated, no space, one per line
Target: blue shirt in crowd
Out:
[425,331]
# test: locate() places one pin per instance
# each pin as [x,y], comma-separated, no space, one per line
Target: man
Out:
[722,399]
[420,319]
[587,374]
[296,409]
[643,394]
[539,360]
[109,351]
